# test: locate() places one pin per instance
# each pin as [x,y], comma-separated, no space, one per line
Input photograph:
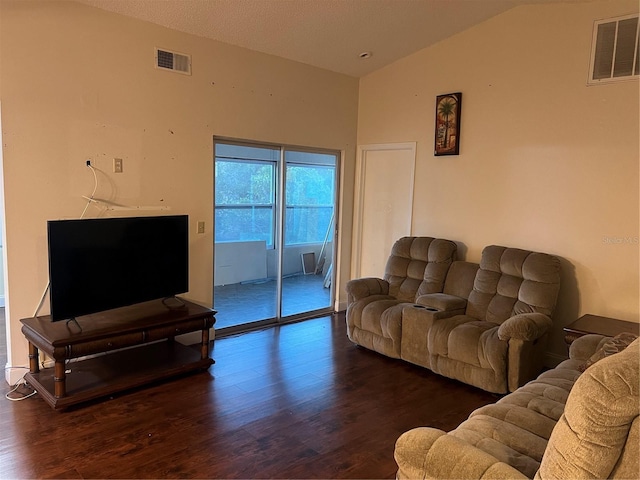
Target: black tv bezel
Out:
[61,312]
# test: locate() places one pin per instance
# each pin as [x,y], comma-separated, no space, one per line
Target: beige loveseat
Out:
[565,424]
[486,325]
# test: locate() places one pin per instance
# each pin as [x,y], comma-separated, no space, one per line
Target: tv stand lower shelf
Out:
[128,348]
[108,374]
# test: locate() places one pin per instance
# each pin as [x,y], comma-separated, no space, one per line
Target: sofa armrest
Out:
[442,302]
[431,453]
[582,348]
[364,287]
[525,326]
[527,334]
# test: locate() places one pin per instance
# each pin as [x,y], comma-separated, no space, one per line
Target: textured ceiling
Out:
[329,34]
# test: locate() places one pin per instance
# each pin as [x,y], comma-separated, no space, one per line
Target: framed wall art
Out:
[447,136]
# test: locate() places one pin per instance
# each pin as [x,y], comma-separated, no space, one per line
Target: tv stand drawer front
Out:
[104,345]
[170,331]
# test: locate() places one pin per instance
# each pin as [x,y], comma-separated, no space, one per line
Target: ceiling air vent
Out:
[174,61]
[615,49]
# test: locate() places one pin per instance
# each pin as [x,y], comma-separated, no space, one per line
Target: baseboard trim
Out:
[13,374]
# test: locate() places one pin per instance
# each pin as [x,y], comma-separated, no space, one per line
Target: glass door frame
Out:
[279,233]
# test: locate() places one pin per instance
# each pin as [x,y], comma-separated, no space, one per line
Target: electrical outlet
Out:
[200,227]
[117,165]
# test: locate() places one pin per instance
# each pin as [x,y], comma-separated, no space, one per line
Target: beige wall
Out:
[546,162]
[78,83]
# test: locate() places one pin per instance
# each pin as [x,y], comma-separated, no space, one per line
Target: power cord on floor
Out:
[18,384]
[22,382]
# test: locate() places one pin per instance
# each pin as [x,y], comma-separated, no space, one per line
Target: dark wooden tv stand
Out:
[149,328]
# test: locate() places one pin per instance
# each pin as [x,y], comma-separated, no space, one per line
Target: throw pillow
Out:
[610,347]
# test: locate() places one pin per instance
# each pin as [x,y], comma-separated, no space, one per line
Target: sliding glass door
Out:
[245,227]
[308,231]
[274,233]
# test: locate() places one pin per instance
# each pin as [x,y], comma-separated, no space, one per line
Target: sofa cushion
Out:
[598,422]
[513,281]
[380,326]
[356,309]
[460,278]
[418,265]
[516,429]
[438,334]
[477,343]
[546,395]
[467,340]
[371,318]
[405,268]
[441,255]
[508,442]
[430,453]
[529,418]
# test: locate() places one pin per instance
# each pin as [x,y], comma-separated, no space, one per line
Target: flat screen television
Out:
[106,263]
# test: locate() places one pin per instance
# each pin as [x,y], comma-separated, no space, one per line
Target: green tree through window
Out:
[245,194]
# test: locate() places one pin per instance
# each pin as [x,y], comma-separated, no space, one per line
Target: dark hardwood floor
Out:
[296,401]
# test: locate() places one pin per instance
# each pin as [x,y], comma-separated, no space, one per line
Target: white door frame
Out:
[361,168]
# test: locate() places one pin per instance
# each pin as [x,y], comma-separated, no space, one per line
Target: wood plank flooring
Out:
[296,401]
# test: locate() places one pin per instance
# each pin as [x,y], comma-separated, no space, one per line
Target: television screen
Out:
[105,263]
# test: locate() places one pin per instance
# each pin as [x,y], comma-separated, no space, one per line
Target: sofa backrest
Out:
[511,281]
[460,278]
[418,265]
[598,435]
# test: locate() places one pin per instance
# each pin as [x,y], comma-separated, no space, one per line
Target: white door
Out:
[383,204]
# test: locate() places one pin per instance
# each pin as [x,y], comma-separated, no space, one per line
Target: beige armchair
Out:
[417,266]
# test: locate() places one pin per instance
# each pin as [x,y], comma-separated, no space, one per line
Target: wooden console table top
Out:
[101,325]
[609,327]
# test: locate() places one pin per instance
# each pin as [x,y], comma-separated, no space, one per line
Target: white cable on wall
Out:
[95,187]
[89,201]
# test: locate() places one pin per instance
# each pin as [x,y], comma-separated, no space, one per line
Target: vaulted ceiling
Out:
[330,34]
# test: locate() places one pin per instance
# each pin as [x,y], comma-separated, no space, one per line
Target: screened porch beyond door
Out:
[274,231]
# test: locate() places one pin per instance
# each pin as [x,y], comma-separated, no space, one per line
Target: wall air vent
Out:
[173,61]
[615,50]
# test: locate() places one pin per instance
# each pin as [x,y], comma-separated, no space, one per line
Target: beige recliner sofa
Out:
[484,324]
[416,266]
[564,425]
[498,341]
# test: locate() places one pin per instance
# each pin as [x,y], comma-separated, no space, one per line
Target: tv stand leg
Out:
[59,379]
[34,366]
[204,350]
